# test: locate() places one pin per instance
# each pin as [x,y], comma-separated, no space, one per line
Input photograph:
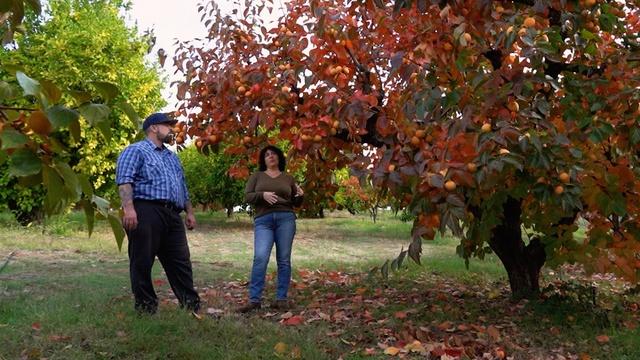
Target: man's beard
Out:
[167,139]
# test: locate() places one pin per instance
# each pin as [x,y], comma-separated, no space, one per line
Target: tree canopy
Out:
[484,118]
[84,59]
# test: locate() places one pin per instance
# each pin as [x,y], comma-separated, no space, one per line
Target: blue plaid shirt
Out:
[155,173]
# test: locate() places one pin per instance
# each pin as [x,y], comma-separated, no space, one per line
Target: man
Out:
[153,192]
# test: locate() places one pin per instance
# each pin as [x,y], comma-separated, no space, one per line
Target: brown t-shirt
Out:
[283,185]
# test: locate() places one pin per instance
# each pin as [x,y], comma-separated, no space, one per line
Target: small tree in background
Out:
[208,180]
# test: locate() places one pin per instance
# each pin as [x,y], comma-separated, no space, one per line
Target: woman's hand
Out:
[270,197]
[299,191]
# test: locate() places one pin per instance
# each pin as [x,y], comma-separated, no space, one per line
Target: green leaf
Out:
[74,129]
[61,116]
[635,135]
[587,35]
[108,90]
[394,264]
[101,204]
[50,91]
[70,179]
[12,139]
[85,184]
[6,91]
[118,230]
[90,214]
[95,113]
[420,109]
[576,153]
[607,21]
[24,162]
[401,257]
[29,85]
[105,129]
[131,113]
[385,270]
[56,200]
[80,96]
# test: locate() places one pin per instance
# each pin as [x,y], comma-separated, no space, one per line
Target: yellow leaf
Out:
[280,348]
[493,294]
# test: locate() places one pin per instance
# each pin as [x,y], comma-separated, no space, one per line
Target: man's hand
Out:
[130,218]
[270,197]
[190,221]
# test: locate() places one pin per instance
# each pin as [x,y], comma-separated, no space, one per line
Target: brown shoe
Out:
[248,307]
[280,305]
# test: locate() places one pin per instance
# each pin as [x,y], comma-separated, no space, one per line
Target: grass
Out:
[65,295]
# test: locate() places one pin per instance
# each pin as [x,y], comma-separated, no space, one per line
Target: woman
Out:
[273,194]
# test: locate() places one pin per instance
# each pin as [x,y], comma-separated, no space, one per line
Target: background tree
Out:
[81,44]
[208,181]
[493,116]
[358,195]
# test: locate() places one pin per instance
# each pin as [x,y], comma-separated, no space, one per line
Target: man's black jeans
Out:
[160,232]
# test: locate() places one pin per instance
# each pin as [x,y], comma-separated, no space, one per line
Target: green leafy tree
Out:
[208,180]
[83,45]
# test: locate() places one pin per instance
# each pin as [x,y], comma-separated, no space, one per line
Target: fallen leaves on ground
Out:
[423,317]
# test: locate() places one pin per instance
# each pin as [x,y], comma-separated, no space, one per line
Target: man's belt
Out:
[163,203]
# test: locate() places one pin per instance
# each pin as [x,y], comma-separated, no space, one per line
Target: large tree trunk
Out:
[523,263]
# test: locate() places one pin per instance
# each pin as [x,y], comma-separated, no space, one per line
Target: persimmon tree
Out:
[508,123]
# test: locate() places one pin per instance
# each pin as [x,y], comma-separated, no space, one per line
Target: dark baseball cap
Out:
[157,118]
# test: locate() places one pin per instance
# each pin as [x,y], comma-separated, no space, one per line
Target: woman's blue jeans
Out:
[277,227]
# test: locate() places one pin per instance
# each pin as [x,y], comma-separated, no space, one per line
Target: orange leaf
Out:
[361,290]
[602,339]
[391,350]
[36,326]
[493,332]
[400,315]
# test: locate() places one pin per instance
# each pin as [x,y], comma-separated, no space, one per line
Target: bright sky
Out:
[171,20]
[175,20]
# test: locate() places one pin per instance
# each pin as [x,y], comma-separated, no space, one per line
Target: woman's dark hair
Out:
[281,161]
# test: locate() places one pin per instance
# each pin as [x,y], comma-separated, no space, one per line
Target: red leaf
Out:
[36,326]
[159,282]
[453,352]
[293,321]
